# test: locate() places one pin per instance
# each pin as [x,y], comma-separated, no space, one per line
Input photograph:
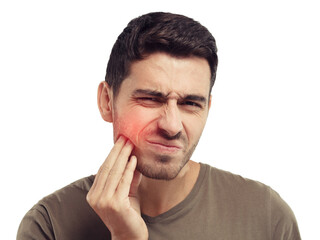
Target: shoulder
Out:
[36,223]
[253,198]
[229,183]
[73,192]
[283,222]
[62,213]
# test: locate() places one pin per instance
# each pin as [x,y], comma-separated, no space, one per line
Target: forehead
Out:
[164,73]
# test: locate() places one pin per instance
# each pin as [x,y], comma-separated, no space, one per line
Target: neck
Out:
[159,196]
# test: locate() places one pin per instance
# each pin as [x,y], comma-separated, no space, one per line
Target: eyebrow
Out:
[192,97]
[148,92]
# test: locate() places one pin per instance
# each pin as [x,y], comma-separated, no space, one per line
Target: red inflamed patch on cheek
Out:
[130,126]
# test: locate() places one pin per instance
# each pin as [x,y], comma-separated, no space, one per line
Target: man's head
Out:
[159,76]
[176,35]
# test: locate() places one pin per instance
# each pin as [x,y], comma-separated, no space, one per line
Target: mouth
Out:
[164,147]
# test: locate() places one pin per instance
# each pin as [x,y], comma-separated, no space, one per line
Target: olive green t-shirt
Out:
[221,205]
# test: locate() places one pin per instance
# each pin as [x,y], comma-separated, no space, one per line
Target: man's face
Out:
[162,107]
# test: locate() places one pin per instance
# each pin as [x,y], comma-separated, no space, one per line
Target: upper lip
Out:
[164,143]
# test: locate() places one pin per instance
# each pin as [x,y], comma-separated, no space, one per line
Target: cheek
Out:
[194,128]
[130,125]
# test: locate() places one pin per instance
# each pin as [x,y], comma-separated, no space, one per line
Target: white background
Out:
[264,121]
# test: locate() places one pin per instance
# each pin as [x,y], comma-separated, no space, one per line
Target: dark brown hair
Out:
[177,35]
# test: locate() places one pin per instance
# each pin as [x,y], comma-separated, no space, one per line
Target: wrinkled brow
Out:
[153,93]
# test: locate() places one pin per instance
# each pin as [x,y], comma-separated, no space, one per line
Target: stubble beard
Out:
[161,169]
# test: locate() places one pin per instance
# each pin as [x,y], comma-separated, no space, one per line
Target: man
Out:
[157,94]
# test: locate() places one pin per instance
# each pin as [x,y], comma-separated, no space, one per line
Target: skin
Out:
[158,117]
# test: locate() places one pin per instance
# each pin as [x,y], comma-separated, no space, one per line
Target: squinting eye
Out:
[189,103]
[148,99]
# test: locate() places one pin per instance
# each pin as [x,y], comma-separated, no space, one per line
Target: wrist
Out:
[126,238]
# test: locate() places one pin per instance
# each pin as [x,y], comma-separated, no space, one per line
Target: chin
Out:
[161,167]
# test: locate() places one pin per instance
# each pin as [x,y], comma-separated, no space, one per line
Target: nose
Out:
[170,121]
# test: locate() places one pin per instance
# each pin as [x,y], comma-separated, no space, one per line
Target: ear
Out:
[105,101]
[209,106]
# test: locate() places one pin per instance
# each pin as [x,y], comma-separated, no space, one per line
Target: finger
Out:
[137,176]
[102,175]
[118,169]
[126,180]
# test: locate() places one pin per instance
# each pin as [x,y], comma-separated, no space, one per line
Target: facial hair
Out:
[161,169]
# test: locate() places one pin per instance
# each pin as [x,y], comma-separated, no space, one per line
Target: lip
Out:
[164,147]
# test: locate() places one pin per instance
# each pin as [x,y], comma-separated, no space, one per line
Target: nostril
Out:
[166,135]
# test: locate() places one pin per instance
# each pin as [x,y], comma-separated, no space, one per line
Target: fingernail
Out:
[129,142]
[121,138]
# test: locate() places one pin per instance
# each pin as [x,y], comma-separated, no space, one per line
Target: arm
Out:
[284,223]
[113,195]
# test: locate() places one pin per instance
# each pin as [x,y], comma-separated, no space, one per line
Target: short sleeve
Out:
[35,225]
[283,222]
